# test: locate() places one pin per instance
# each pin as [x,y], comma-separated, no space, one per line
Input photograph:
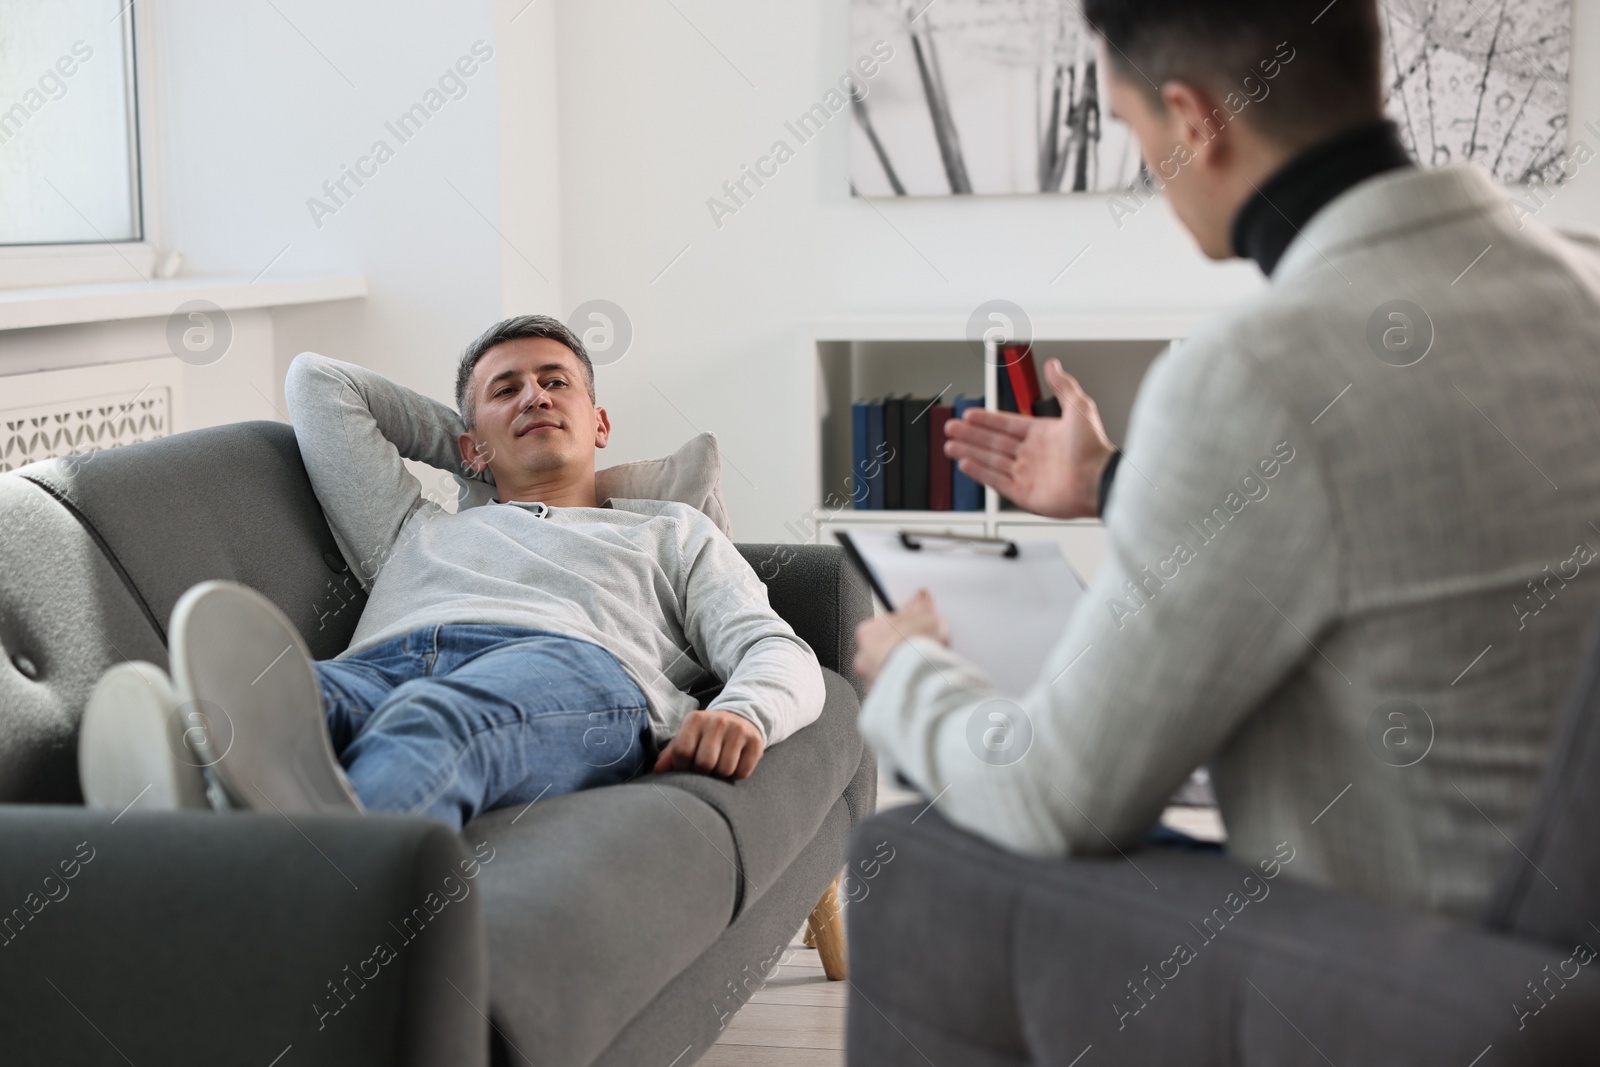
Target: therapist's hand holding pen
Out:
[877,637]
[1049,466]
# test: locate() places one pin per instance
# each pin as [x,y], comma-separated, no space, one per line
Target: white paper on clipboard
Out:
[1005,614]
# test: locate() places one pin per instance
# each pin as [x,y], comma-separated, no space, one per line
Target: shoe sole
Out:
[131,746]
[247,673]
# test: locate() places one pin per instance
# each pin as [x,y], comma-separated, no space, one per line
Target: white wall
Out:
[229,390]
[592,141]
[654,119]
[261,108]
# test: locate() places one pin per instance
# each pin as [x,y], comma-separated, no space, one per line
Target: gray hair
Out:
[515,329]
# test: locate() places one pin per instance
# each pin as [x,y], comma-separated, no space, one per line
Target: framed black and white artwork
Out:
[1004,96]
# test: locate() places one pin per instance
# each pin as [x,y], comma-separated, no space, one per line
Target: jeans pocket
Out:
[615,740]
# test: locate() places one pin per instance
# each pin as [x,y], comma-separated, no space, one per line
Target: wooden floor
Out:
[797,1018]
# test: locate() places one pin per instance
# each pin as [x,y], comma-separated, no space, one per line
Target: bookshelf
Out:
[866,358]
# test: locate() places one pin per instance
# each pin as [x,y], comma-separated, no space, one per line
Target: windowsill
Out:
[63,305]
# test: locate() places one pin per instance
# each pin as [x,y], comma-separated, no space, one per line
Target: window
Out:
[69,139]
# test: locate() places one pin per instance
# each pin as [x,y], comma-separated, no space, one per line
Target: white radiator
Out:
[85,409]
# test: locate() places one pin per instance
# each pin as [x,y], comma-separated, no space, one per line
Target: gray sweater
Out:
[655,582]
[1340,568]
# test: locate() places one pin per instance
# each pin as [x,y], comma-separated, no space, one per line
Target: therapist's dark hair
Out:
[1303,69]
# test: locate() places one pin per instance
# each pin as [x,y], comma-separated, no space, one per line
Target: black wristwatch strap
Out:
[1108,476]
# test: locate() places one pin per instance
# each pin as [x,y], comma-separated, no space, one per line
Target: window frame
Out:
[92,262]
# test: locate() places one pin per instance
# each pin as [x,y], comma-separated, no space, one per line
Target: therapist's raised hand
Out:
[877,637]
[1051,467]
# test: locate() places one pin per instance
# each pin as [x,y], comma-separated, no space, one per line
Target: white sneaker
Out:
[240,665]
[132,744]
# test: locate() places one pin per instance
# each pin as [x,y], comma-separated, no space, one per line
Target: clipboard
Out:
[1007,602]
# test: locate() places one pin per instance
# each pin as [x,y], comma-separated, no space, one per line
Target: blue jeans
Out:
[451,721]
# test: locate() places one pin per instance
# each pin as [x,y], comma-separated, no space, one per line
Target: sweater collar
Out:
[1281,207]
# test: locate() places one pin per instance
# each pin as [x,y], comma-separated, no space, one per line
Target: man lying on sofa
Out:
[1339,569]
[537,644]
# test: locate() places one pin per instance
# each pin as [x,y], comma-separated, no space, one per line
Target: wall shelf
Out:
[928,356]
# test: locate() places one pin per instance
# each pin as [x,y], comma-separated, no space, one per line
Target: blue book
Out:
[859,471]
[1008,399]
[872,465]
[966,494]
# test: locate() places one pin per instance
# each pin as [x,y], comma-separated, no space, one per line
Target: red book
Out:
[1018,360]
[941,468]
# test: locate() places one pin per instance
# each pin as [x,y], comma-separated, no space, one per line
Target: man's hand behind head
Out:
[710,741]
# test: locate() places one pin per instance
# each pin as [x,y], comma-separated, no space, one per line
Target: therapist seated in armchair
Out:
[1338,567]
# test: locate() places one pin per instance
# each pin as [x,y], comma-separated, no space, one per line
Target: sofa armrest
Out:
[816,591]
[775,813]
[193,937]
[962,952]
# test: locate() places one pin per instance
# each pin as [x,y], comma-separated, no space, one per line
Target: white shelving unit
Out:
[926,356]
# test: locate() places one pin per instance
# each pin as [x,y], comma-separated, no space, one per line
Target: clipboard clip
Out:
[912,541]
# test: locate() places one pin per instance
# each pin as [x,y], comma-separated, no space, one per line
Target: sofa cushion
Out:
[65,616]
[595,901]
[692,475]
[225,502]
[779,808]
[698,1004]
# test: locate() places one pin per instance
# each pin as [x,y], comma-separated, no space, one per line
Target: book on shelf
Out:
[914,471]
[1021,375]
[866,455]
[966,494]
[940,466]
[894,423]
[897,456]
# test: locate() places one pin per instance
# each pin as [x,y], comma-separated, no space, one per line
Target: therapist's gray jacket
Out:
[1357,588]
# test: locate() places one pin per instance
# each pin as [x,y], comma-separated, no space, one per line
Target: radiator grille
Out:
[88,424]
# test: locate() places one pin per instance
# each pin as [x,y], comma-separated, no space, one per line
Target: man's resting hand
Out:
[723,743]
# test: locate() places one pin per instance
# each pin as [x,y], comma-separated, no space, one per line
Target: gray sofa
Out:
[963,953]
[606,927]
